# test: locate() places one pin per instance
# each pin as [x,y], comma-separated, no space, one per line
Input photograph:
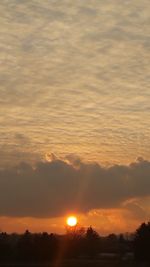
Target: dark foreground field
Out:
[81,263]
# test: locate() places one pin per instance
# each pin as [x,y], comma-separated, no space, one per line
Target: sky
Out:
[74,114]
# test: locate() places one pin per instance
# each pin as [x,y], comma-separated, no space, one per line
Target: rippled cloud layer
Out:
[74,78]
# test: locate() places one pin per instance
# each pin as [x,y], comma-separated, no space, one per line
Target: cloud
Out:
[75,70]
[57,187]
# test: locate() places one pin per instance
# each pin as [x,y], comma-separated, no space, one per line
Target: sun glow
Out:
[72,221]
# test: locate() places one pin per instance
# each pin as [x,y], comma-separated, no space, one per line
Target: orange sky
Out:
[103,221]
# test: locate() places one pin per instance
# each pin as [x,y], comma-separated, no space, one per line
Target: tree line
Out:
[76,243]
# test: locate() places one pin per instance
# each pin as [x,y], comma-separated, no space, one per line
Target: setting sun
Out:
[72,221]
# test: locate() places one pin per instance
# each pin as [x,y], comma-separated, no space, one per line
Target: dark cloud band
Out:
[54,188]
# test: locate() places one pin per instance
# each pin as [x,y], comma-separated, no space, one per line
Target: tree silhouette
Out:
[25,247]
[5,247]
[74,241]
[92,240]
[142,242]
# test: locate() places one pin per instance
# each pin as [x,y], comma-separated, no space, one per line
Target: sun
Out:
[72,221]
